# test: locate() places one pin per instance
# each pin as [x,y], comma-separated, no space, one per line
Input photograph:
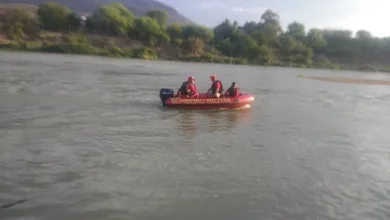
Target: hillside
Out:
[138,7]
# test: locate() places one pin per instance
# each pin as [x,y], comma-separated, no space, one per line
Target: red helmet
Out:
[213,77]
[191,78]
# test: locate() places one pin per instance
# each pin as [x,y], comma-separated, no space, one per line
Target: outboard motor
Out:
[166,94]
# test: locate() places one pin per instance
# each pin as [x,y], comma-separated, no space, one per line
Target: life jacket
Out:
[183,88]
[214,87]
[189,92]
[232,91]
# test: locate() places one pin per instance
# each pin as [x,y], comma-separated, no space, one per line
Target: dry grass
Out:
[349,80]
[3,39]
[98,40]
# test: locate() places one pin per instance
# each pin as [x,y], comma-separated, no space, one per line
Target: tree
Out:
[287,44]
[197,31]
[194,46]
[362,34]
[160,16]
[175,31]
[294,51]
[18,24]
[270,26]
[112,19]
[74,21]
[340,45]
[266,55]
[297,31]
[249,27]
[271,22]
[246,47]
[337,34]
[226,46]
[260,37]
[53,16]
[315,39]
[147,29]
[270,17]
[226,30]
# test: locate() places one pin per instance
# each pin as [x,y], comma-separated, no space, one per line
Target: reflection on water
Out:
[192,121]
[187,122]
[242,115]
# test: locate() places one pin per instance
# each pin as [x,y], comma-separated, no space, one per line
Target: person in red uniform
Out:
[191,88]
[216,88]
[233,91]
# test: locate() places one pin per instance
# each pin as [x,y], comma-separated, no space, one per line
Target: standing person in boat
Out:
[216,88]
[191,88]
[183,89]
[233,91]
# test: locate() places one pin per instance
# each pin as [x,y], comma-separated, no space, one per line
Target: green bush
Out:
[70,48]
[145,53]
[177,42]
[10,45]
[325,65]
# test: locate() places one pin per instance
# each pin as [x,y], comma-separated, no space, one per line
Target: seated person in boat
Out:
[233,91]
[191,88]
[183,89]
[216,88]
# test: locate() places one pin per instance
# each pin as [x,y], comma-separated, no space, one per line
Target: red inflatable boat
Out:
[203,102]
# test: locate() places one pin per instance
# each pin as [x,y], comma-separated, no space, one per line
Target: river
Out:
[86,138]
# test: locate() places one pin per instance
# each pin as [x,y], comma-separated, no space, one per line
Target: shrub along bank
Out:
[112,30]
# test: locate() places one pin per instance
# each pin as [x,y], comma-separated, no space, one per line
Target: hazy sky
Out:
[371,15]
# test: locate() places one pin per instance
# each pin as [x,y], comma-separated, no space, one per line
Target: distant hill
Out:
[138,7]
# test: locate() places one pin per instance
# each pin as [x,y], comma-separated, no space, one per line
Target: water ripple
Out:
[86,138]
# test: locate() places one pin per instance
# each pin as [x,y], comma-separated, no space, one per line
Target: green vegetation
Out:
[54,17]
[112,30]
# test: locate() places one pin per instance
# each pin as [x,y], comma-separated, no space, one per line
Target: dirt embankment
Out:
[349,80]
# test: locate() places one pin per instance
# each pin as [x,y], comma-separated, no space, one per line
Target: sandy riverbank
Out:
[349,80]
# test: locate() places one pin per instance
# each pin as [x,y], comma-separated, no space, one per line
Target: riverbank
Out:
[349,80]
[109,47]
[55,28]
[106,46]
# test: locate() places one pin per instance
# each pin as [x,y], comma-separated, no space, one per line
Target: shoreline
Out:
[186,60]
[333,79]
[349,80]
